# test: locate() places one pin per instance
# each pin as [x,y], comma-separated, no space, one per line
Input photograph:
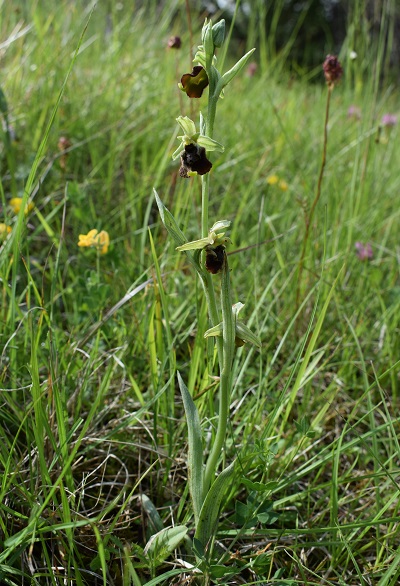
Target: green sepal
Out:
[194,245]
[187,125]
[214,331]
[212,239]
[245,334]
[210,144]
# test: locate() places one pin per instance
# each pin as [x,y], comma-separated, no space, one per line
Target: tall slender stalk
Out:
[333,72]
[310,215]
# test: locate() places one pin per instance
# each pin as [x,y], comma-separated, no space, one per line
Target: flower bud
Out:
[174,42]
[218,32]
[332,69]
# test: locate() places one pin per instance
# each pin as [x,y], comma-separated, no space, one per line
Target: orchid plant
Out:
[208,257]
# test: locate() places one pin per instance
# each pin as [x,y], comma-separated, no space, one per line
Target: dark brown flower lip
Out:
[194,160]
[194,83]
[215,259]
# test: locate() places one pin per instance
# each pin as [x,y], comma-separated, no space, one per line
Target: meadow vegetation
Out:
[93,448]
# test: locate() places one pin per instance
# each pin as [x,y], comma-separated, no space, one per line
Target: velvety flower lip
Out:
[194,83]
[215,259]
[332,69]
[194,160]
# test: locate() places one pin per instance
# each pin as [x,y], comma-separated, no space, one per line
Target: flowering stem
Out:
[309,217]
[225,345]
[205,190]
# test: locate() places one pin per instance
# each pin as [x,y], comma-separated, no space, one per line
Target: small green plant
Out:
[208,257]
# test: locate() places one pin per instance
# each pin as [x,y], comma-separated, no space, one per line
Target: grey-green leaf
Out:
[229,75]
[163,543]
[210,509]
[195,455]
[169,222]
[152,513]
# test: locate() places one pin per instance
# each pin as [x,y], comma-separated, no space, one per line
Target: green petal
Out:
[178,151]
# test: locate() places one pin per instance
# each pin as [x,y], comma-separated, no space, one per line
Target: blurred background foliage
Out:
[302,30]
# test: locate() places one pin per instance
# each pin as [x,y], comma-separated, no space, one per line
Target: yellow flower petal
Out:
[95,239]
[272,179]
[88,239]
[283,185]
[4,231]
[16,203]
[103,241]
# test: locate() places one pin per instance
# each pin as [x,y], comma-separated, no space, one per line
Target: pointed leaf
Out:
[154,517]
[163,543]
[229,75]
[210,509]
[195,456]
[169,222]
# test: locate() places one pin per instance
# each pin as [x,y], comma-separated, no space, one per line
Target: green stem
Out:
[205,190]
[225,345]
[228,340]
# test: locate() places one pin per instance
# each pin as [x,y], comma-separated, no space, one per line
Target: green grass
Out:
[91,419]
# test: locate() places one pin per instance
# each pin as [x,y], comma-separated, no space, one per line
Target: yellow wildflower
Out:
[95,239]
[4,231]
[283,185]
[272,179]
[16,203]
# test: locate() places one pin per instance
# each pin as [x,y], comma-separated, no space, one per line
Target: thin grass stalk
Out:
[309,217]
